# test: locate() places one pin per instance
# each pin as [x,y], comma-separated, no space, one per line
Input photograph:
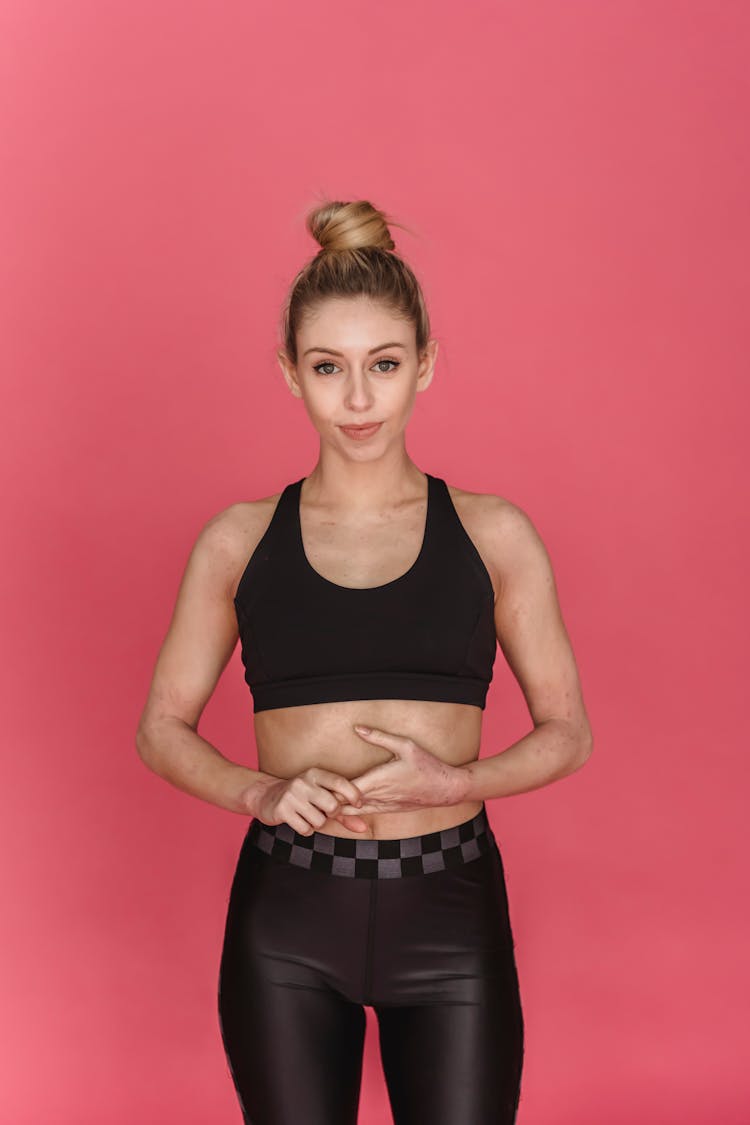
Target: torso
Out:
[290,739]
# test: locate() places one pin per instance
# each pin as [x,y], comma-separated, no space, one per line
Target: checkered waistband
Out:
[375,859]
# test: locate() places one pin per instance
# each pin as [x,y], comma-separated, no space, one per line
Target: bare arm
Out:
[535,642]
[199,642]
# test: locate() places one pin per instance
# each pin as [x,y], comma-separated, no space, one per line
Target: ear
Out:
[427,365]
[289,372]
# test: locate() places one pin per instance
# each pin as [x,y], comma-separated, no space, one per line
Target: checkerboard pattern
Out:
[375,859]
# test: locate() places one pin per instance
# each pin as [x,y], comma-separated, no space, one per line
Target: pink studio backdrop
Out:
[576,176]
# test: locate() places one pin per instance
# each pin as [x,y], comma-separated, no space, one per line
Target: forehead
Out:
[336,321]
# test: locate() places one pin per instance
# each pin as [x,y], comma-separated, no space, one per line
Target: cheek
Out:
[403,398]
[319,396]
[322,408]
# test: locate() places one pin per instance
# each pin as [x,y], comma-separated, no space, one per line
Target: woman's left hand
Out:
[413,779]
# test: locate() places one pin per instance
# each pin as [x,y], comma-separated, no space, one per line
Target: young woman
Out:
[368,597]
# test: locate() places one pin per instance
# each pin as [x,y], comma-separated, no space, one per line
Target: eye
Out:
[394,363]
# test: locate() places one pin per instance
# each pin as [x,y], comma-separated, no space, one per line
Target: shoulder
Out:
[502,531]
[228,538]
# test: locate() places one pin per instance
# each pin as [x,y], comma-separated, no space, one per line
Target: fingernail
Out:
[363,730]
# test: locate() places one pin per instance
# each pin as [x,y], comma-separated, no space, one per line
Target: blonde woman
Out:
[368,598]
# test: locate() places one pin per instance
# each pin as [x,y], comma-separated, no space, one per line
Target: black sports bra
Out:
[428,634]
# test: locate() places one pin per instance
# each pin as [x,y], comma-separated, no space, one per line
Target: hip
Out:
[374,919]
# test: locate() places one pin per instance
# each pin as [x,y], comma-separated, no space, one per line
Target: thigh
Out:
[293,1041]
[451,1062]
[450,1017]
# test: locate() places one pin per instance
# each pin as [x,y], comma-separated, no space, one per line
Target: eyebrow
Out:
[379,348]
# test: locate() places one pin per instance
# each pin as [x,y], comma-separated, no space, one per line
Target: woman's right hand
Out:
[307,801]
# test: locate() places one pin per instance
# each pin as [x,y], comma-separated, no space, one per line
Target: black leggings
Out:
[417,928]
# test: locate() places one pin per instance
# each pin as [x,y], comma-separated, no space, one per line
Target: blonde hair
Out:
[356,258]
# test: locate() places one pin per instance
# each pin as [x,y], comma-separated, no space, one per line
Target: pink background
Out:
[576,175]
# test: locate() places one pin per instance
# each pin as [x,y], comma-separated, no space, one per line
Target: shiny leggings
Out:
[426,943]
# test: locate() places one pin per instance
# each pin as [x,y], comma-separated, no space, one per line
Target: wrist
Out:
[254,785]
[464,782]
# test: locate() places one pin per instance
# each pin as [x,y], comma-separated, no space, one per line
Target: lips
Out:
[362,431]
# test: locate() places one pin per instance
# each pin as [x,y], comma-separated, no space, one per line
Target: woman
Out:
[368,597]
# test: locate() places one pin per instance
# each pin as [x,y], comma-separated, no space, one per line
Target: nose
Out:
[358,393]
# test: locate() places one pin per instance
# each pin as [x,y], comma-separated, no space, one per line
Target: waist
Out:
[291,740]
[394,825]
[391,858]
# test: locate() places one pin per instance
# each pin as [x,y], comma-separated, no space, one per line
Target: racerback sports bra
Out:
[428,634]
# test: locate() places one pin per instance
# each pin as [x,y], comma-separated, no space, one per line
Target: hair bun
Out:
[350,226]
[354,260]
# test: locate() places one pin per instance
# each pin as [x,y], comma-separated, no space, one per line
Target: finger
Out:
[299,824]
[396,743]
[347,789]
[348,810]
[367,781]
[355,823]
[313,819]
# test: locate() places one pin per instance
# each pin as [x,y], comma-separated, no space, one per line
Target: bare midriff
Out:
[291,739]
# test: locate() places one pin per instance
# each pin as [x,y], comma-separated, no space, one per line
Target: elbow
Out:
[585,747]
[581,745]
[142,743]
[152,739]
